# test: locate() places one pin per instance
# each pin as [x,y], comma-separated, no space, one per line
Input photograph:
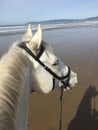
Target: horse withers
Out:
[29,65]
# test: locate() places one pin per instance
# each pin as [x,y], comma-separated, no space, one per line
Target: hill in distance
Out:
[63,21]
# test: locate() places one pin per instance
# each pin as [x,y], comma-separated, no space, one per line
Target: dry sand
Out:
[77,48]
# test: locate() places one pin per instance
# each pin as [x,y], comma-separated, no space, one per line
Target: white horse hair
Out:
[20,73]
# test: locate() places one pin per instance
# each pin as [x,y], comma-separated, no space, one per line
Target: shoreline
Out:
[20,29]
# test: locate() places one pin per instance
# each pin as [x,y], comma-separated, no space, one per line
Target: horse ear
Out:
[28,36]
[37,38]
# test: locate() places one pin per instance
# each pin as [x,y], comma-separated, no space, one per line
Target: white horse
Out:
[28,65]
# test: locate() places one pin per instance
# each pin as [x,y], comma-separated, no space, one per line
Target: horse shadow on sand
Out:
[86,117]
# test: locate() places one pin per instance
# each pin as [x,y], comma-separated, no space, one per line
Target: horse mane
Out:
[13,66]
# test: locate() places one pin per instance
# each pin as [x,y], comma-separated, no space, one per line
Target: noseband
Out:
[37,58]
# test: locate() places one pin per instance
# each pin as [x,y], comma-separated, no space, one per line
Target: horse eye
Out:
[56,62]
[37,49]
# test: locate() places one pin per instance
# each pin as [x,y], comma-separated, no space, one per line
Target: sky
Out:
[23,11]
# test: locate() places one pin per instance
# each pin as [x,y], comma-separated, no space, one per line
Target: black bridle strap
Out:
[23,46]
[37,58]
[61,105]
[40,52]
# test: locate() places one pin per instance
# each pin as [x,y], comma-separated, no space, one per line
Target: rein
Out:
[61,104]
[55,76]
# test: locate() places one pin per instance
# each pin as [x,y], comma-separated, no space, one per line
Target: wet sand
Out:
[78,48]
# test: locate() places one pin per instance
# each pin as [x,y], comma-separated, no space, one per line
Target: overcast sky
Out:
[22,11]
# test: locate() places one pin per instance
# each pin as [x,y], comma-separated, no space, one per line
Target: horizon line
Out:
[46,20]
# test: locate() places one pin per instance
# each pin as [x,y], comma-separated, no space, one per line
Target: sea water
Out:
[13,29]
[68,35]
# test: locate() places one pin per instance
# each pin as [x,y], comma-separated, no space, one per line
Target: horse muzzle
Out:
[70,82]
[73,79]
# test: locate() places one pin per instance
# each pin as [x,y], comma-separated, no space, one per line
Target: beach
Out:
[77,47]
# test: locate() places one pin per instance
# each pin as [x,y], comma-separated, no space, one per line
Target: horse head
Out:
[48,70]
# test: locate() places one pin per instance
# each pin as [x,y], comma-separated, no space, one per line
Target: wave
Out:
[7,30]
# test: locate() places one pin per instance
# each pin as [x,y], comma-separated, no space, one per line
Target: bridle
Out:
[65,83]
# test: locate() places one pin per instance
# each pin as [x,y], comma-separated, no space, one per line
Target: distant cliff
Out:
[63,21]
[92,19]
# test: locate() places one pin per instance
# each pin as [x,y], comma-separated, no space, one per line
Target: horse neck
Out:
[22,108]
[15,88]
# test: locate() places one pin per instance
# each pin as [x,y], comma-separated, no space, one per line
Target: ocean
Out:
[16,29]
